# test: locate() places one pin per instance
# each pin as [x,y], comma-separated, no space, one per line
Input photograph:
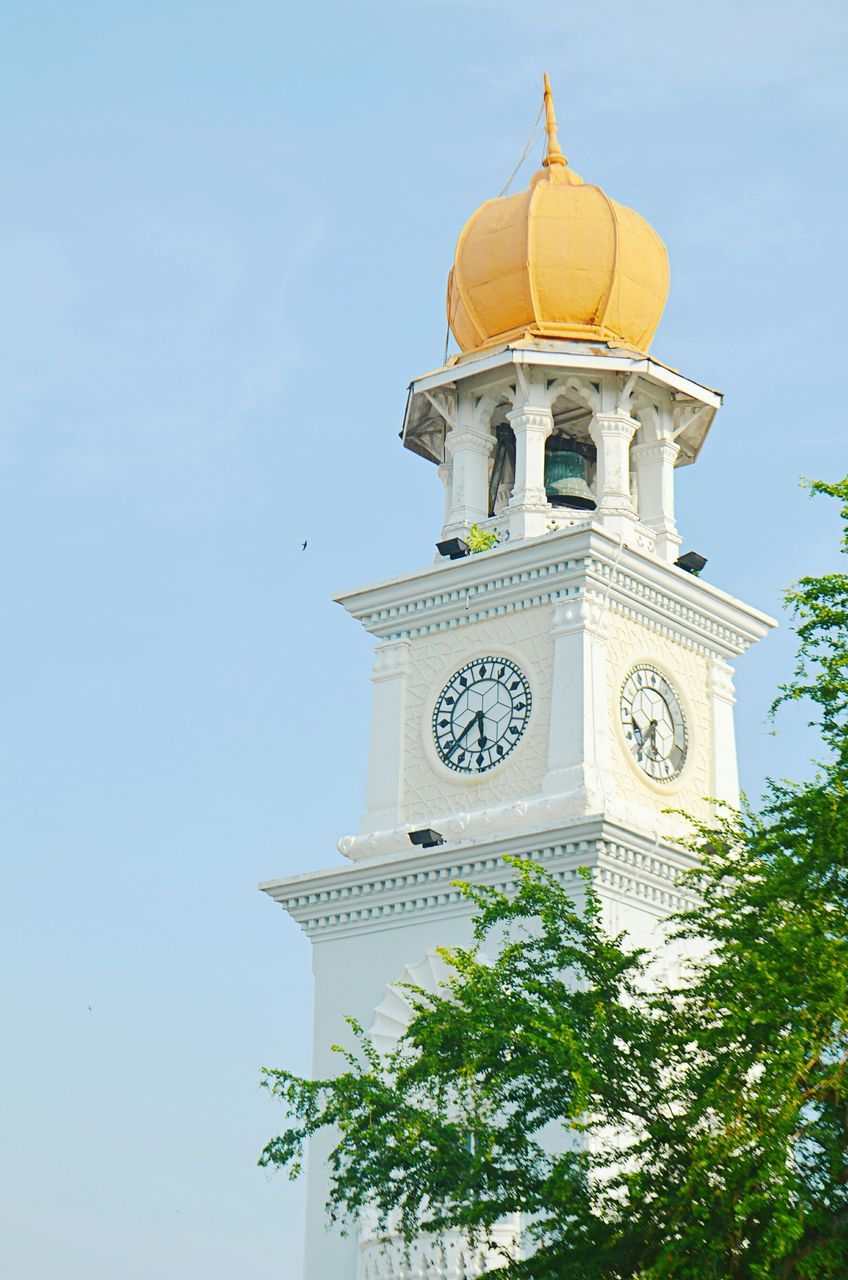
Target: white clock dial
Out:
[653,723]
[481,714]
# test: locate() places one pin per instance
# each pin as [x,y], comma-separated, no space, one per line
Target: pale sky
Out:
[225,230]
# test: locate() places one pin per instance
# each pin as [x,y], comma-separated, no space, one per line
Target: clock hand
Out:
[482,739]
[652,732]
[470,724]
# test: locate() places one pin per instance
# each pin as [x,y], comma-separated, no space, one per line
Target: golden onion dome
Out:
[559,260]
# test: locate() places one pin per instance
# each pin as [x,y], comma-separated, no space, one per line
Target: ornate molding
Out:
[552,569]
[384,893]
[678,618]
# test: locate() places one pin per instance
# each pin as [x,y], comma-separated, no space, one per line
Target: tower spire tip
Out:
[553,152]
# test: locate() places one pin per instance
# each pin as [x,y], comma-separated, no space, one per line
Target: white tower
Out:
[551,696]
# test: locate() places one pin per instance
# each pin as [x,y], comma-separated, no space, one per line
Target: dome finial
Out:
[553,154]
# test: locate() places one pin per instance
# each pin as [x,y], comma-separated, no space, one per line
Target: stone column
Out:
[611,434]
[528,507]
[384,783]
[725,778]
[467,451]
[654,463]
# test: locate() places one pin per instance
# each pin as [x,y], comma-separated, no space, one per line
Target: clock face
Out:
[653,723]
[481,714]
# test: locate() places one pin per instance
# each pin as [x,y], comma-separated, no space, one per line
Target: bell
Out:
[565,479]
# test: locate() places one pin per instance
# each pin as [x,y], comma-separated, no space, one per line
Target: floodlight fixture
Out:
[453,548]
[426,838]
[692,562]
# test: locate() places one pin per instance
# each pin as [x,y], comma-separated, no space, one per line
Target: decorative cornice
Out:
[382,893]
[570,357]
[593,374]
[558,567]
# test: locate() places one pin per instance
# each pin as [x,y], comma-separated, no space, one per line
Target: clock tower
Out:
[555,694]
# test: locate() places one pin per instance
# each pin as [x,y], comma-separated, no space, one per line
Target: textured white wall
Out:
[630,642]
[429,786]
[351,974]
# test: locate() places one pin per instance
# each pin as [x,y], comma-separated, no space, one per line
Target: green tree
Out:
[692,1130]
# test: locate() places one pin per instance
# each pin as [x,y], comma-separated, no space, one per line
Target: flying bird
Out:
[303,545]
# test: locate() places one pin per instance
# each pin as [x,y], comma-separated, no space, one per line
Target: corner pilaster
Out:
[722,698]
[578,750]
[384,784]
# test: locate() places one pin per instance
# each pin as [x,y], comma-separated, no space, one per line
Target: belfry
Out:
[553,694]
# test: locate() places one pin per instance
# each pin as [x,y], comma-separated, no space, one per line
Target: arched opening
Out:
[570,458]
[502,473]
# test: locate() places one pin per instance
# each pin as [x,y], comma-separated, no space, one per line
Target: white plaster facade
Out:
[576,599]
[576,609]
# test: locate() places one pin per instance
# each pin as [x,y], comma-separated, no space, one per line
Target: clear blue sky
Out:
[224,236]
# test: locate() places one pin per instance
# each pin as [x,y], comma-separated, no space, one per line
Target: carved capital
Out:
[530,419]
[610,426]
[391,659]
[721,681]
[655,451]
[587,612]
[469,440]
